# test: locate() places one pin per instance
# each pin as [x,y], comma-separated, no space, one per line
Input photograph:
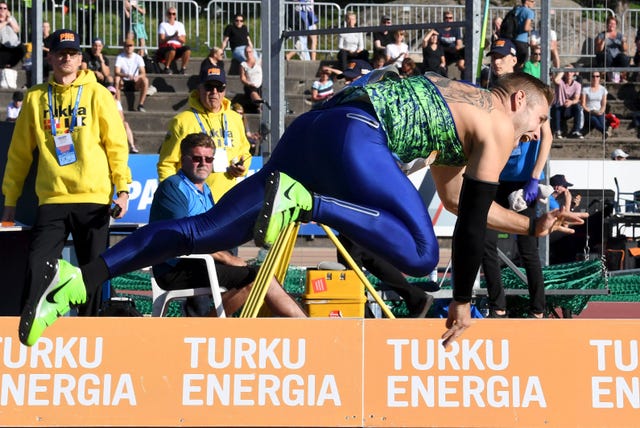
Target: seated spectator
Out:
[535,40]
[351,45]
[130,73]
[566,104]
[532,65]
[398,50]
[172,38]
[379,60]
[322,89]
[11,50]
[186,194]
[254,138]
[611,46]
[619,155]
[127,128]
[594,104]
[433,54]
[236,35]
[382,38]
[451,41]
[409,68]
[251,76]
[94,60]
[355,69]
[215,59]
[14,106]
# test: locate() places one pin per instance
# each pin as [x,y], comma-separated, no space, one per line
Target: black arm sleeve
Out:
[468,236]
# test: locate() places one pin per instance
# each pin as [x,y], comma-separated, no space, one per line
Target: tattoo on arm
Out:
[457,92]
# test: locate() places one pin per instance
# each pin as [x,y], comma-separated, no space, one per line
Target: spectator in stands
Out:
[94,60]
[172,38]
[619,155]
[77,176]
[130,73]
[127,128]
[398,50]
[251,77]
[355,69]
[409,68]
[236,35]
[209,112]
[351,45]
[134,12]
[254,138]
[11,50]
[86,20]
[14,106]
[611,46]
[433,54]
[532,65]
[451,41]
[526,16]
[382,38]
[594,105]
[379,60]
[322,89]
[566,103]
[496,22]
[561,195]
[215,59]
[305,19]
[535,39]
[503,61]
[186,194]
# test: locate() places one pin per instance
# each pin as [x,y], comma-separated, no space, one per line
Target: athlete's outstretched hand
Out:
[458,321]
[559,220]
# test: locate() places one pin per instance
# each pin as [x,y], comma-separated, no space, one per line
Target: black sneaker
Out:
[182,71]
[141,109]
[494,314]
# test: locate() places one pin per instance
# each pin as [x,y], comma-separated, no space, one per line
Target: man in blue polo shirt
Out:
[186,194]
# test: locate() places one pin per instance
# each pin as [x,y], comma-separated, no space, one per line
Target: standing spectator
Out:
[611,46]
[94,60]
[237,36]
[382,38]
[215,59]
[322,89]
[251,76]
[185,194]
[433,54]
[134,11]
[398,50]
[566,103]
[209,112]
[526,16]
[14,106]
[11,50]
[451,41]
[306,19]
[86,16]
[172,37]
[82,162]
[409,68]
[130,73]
[351,45]
[594,104]
[532,65]
[127,128]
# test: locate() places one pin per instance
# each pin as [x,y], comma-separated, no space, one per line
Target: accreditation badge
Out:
[220,161]
[65,150]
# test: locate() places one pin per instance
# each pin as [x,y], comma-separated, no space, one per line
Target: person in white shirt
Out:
[13,108]
[130,73]
[251,76]
[397,51]
[351,45]
[172,38]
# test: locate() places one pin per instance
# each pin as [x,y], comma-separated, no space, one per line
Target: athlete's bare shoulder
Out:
[454,91]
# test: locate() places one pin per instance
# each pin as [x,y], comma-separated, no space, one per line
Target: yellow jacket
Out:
[99,140]
[186,123]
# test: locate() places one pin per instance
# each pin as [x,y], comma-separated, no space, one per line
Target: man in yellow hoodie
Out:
[82,155]
[210,113]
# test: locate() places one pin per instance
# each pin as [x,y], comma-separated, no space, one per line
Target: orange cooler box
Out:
[334,293]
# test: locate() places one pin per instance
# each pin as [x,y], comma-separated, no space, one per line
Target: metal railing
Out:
[575,27]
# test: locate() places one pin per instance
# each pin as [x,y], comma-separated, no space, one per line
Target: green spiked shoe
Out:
[65,288]
[285,201]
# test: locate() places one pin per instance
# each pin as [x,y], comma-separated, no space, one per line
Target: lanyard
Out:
[225,126]
[74,113]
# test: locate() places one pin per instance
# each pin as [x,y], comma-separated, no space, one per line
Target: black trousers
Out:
[88,224]
[528,248]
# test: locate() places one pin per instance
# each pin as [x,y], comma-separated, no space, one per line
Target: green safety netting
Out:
[579,275]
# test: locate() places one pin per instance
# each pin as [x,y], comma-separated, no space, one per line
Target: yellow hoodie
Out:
[185,123]
[99,139]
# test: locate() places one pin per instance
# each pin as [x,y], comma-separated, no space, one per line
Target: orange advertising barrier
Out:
[321,373]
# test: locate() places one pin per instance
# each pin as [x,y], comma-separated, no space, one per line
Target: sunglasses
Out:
[209,87]
[200,159]
[448,17]
[239,20]
[171,13]
[596,75]
[128,46]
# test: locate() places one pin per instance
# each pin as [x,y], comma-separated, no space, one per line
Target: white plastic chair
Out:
[161,297]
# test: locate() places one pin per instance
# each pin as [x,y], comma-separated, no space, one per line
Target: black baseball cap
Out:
[559,180]
[64,40]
